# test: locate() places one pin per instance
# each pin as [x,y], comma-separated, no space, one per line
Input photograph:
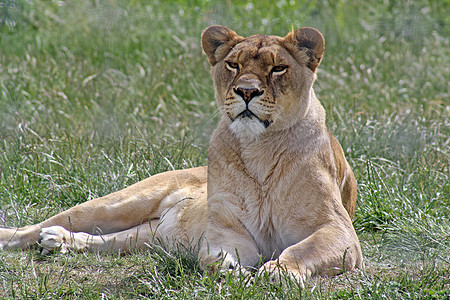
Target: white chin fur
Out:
[247,129]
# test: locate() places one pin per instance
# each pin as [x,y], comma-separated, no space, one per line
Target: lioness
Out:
[278,187]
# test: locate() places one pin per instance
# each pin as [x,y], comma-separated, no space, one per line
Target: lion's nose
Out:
[247,94]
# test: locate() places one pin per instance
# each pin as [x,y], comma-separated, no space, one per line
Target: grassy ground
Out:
[97,95]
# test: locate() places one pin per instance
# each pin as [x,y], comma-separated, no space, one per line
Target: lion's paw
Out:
[277,273]
[218,260]
[53,238]
[6,238]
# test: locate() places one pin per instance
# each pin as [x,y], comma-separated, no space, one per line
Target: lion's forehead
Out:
[267,50]
[262,40]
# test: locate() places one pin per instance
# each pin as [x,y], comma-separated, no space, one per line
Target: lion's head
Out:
[263,83]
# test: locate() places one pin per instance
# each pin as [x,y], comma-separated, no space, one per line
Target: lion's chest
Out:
[277,215]
[270,226]
[269,220]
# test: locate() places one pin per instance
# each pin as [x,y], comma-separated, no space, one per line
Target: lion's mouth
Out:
[247,113]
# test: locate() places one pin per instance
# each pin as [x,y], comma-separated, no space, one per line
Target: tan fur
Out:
[278,187]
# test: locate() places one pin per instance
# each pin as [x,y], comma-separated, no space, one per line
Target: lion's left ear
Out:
[310,39]
[217,42]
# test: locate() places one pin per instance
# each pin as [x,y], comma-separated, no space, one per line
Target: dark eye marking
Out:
[232,66]
[278,70]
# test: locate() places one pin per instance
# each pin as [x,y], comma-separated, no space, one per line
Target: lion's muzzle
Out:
[247,94]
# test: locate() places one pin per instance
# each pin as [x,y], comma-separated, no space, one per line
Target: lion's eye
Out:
[232,66]
[278,70]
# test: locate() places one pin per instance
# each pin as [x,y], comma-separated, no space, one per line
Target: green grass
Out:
[97,95]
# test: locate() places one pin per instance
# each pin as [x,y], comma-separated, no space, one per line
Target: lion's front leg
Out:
[331,250]
[228,250]
[227,244]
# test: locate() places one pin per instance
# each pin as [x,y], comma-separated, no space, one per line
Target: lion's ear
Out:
[217,41]
[310,39]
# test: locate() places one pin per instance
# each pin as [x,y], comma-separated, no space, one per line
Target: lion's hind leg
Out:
[123,211]
[183,222]
[58,238]
[18,238]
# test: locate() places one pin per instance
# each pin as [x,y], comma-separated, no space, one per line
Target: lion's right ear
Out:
[217,42]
